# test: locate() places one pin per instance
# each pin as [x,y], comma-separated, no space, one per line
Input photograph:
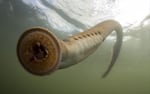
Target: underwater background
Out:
[131,73]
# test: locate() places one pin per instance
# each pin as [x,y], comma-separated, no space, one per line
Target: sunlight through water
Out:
[132,11]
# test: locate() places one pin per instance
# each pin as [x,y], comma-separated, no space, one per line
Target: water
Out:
[130,75]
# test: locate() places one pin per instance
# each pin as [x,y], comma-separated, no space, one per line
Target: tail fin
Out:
[115,53]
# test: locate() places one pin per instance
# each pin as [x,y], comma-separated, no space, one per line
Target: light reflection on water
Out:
[130,75]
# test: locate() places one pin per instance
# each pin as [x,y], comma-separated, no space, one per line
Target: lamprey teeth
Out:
[39,51]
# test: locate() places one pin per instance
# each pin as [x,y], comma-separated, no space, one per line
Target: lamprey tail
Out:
[115,53]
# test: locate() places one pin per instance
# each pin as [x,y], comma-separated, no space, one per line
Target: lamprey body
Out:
[41,52]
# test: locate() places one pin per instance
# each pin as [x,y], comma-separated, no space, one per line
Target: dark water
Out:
[130,75]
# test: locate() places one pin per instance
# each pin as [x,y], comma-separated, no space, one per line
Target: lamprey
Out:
[41,52]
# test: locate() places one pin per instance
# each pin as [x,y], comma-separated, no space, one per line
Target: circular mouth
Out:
[38,51]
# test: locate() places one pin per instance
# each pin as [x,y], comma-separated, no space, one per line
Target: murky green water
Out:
[130,75]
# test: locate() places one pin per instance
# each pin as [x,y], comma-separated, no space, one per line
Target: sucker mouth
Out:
[40,53]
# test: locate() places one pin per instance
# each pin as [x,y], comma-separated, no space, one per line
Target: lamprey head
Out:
[38,51]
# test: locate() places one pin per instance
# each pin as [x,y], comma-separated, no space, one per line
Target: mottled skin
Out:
[44,52]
